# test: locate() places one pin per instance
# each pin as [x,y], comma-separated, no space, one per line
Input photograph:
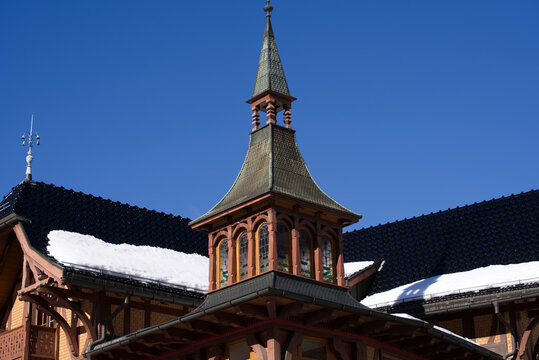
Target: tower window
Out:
[243,256]
[223,263]
[263,248]
[305,252]
[283,258]
[327,259]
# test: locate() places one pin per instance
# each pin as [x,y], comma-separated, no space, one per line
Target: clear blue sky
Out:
[404,107]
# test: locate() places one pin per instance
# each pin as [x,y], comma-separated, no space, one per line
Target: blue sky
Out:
[404,107]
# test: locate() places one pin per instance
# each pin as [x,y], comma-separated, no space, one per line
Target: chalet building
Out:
[81,276]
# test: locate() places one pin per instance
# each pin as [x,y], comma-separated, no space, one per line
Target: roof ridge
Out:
[449,210]
[99,198]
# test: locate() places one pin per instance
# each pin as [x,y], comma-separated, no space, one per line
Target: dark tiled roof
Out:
[499,231]
[274,164]
[49,207]
[270,73]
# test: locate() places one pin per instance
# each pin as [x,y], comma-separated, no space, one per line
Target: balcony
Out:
[40,344]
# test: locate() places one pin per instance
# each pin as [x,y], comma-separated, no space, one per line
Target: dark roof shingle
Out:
[50,207]
[499,231]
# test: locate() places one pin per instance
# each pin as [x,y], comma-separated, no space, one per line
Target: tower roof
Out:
[270,73]
[274,165]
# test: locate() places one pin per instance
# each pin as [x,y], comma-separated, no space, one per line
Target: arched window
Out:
[283,258]
[243,256]
[327,259]
[222,268]
[305,252]
[263,248]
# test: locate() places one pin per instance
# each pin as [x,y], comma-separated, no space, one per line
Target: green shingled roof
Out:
[270,73]
[274,164]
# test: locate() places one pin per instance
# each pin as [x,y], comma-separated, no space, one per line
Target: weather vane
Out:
[30,136]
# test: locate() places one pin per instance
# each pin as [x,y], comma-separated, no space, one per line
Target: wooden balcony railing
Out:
[41,343]
[12,343]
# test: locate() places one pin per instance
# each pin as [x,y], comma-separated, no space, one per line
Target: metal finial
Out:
[29,156]
[268,9]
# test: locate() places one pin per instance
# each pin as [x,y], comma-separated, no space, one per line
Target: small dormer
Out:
[274,217]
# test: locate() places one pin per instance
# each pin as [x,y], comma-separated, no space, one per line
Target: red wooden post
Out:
[272,230]
[251,261]
[211,251]
[318,269]
[296,251]
[231,257]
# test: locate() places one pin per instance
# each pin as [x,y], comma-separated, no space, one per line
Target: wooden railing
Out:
[12,343]
[42,343]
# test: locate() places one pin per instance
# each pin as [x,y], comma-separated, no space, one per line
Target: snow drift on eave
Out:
[142,262]
[493,276]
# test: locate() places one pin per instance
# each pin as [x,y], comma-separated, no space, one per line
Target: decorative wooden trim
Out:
[70,331]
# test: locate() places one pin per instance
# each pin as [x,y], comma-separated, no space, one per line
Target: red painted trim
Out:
[295,325]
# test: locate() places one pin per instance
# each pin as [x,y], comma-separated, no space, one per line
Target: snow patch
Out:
[145,262]
[350,268]
[406,316]
[474,280]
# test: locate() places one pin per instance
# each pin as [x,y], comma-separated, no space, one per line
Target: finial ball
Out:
[268,9]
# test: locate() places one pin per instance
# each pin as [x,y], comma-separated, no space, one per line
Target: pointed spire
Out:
[270,94]
[29,156]
[270,73]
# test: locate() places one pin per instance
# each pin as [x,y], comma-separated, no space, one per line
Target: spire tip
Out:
[268,9]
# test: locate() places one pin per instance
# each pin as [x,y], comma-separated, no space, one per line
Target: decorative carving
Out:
[12,343]
[287,117]
[256,119]
[271,113]
[42,341]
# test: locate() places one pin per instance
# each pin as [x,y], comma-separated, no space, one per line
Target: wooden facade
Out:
[44,317]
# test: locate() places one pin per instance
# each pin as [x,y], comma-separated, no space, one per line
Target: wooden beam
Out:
[75,308]
[295,308]
[253,311]
[69,331]
[317,317]
[227,319]
[346,322]
[373,327]
[290,348]
[271,307]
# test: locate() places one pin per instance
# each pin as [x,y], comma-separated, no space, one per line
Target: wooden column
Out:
[251,239]
[340,259]
[273,347]
[296,252]
[212,272]
[318,269]
[272,230]
[231,257]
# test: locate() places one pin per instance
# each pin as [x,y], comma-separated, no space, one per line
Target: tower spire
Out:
[29,156]
[270,93]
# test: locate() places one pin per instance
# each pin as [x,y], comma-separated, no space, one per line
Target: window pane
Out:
[223,263]
[282,248]
[327,259]
[263,248]
[243,256]
[305,253]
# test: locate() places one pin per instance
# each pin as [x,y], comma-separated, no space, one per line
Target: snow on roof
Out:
[146,262]
[350,268]
[498,276]
[406,316]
